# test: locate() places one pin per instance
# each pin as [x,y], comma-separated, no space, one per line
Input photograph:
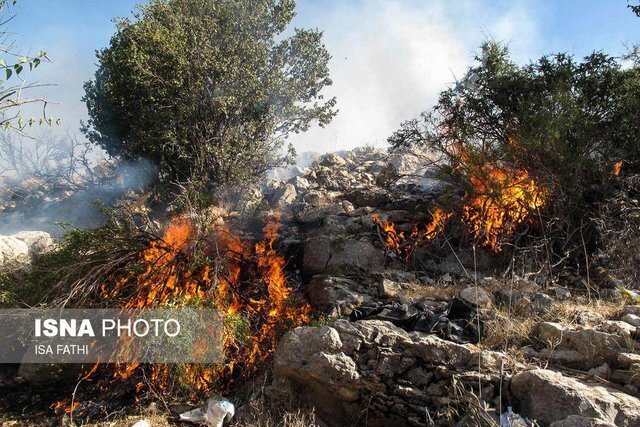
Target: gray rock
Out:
[336,296]
[331,159]
[13,252]
[300,183]
[476,296]
[38,242]
[285,195]
[389,288]
[580,421]
[548,396]
[370,366]
[313,214]
[632,309]
[631,319]
[326,255]
[562,356]
[625,360]
[562,293]
[597,347]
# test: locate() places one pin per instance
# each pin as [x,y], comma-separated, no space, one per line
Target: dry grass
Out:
[508,329]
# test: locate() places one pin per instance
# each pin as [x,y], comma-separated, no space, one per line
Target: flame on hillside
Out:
[404,244]
[245,282]
[501,200]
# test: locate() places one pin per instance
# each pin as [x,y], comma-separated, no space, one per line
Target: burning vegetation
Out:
[498,203]
[246,282]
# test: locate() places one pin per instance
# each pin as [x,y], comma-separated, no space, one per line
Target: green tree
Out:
[207,89]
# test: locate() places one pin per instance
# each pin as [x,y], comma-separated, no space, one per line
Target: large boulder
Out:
[549,397]
[326,255]
[371,370]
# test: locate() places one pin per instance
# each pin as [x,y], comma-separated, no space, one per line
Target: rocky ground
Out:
[556,355]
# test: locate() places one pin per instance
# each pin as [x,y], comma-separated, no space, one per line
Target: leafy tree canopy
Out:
[207,89]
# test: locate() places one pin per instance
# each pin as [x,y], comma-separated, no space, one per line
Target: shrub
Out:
[552,135]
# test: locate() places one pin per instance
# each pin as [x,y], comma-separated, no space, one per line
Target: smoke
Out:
[391,59]
[40,204]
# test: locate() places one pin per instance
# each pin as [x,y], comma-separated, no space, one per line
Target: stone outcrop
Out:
[352,371]
[553,399]
[325,255]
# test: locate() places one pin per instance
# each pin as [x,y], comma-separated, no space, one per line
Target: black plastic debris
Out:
[454,321]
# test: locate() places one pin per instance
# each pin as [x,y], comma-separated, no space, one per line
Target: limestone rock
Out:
[285,195]
[13,252]
[38,242]
[325,254]
[476,296]
[336,296]
[548,396]
[596,346]
[370,366]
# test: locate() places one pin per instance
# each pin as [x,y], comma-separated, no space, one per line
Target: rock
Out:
[476,296]
[542,303]
[142,423]
[285,195]
[348,207]
[327,255]
[336,296]
[548,396]
[38,242]
[625,360]
[406,163]
[632,309]
[301,184]
[368,197]
[596,347]
[389,288]
[589,318]
[562,293]
[631,319]
[611,295]
[602,371]
[580,421]
[214,413]
[13,252]
[369,366]
[617,327]
[562,356]
[331,159]
[311,214]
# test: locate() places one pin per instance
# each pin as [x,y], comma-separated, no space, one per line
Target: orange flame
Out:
[617,168]
[247,284]
[402,245]
[501,202]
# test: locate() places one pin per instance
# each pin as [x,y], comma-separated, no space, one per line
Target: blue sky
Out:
[390,58]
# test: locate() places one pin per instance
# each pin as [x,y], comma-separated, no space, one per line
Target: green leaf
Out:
[3,63]
[18,68]
[9,72]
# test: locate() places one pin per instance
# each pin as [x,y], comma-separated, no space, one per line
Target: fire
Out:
[501,201]
[246,282]
[617,168]
[403,245]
